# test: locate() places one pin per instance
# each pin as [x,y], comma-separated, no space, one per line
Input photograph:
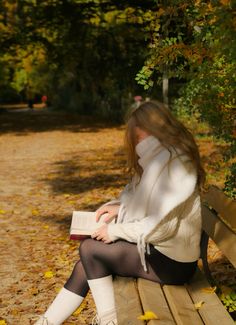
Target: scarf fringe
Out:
[143,248]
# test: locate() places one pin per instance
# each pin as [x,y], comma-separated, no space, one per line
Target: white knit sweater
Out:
[163,208]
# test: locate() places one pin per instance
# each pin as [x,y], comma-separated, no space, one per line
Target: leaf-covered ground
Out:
[52,164]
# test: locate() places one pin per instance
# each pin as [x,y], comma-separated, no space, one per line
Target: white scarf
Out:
[133,194]
[135,198]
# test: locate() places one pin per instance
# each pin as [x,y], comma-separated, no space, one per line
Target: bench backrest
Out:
[219,221]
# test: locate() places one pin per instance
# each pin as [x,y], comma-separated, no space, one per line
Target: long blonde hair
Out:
[156,119]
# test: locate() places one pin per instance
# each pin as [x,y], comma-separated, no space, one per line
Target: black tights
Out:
[122,258]
[99,260]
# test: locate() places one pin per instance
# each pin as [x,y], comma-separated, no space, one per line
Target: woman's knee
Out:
[77,267]
[86,247]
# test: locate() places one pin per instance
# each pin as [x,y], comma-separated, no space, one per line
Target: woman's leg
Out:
[119,258]
[77,282]
[100,262]
[68,299]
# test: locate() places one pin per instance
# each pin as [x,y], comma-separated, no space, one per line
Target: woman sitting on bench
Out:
[157,231]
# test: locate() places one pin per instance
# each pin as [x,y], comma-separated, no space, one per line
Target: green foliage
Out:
[229,300]
[143,77]
[230,184]
[7,93]
[212,93]
[173,49]
[196,43]
[90,57]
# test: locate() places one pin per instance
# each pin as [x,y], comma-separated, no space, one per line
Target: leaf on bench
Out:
[198,305]
[148,315]
[209,289]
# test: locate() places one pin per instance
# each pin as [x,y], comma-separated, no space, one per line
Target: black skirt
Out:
[170,271]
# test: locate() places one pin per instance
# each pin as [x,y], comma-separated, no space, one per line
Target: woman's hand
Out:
[110,210]
[102,234]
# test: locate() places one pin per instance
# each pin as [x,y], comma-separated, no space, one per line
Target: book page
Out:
[84,223]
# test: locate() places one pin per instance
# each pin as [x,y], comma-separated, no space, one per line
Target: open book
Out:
[84,224]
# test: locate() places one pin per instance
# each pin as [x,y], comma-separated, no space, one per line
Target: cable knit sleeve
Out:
[117,201]
[173,186]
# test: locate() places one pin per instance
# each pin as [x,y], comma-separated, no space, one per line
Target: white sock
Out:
[65,303]
[103,295]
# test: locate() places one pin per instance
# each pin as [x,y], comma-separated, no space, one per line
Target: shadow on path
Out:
[78,175]
[23,122]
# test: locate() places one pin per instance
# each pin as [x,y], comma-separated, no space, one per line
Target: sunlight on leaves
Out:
[225,2]
[148,316]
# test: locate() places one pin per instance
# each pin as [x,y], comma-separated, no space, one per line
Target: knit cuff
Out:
[111,232]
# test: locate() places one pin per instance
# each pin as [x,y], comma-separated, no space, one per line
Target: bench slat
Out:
[224,237]
[181,305]
[127,301]
[225,206]
[153,299]
[212,311]
[175,304]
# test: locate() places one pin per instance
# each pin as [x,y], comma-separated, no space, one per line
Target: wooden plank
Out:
[223,205]
[181,305]
[224,237]
[212,311]
[127,301]
[153,299]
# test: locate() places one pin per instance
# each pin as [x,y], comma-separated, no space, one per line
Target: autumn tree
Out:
[195,42]
[84,54]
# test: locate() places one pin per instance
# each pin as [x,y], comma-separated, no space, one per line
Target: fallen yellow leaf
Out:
[58,289]
[3,322]
[66,195]
[2,212]
[81,307]
[35,212]
[48,275]
[46,227]
[199,304]
[14,312]
[209,289]
[50,176]
[148,315]
[71,202]
[34,291]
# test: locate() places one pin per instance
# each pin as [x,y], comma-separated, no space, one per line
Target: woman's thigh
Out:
[118,258]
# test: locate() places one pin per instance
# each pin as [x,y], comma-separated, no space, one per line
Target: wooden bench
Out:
[176,304]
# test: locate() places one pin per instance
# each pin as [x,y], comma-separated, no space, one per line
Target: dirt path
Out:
[47,172]
[50,165]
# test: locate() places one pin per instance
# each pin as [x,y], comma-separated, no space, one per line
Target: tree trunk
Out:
[165,88]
